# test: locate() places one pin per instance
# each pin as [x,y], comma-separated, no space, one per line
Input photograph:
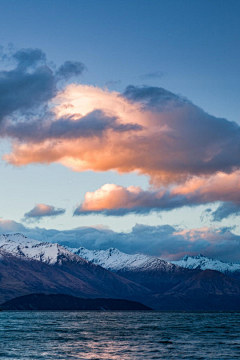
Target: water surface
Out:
[119,335]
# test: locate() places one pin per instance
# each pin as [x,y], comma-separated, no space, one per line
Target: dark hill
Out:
[68,302]
[20,276]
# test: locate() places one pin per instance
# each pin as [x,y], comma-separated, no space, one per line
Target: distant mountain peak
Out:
[199,256]
[13,235]
[113,250]
[50,253]
[206,263]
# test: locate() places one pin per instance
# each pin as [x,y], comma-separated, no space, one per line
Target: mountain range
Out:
[29,266]
[151,272]
[115,260]
[205,263]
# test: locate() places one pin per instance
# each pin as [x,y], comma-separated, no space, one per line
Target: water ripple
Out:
[119,335]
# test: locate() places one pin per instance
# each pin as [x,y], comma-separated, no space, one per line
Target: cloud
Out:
[167,242]
[152,75]
[154,98]
[225,210]
[31,84]
[190,157]
[112,83]
[114,200]
[93,124]
[8,226]
[171,139]
[71,68]
[27,86]
[205,214]
[27,58]
[41,210]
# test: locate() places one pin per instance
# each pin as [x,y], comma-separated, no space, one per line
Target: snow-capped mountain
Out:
[205,263]
[115,260]
[29,266]
[151,272]
[20,245]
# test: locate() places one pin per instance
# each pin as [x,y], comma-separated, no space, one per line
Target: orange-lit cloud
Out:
[8,226]
[145,130]
[116,200]
[41,210]
[190,156]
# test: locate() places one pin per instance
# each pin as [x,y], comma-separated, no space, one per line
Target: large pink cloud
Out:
[189,156]
[150,131]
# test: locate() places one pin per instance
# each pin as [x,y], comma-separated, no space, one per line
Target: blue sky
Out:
[190,48]
[195,44]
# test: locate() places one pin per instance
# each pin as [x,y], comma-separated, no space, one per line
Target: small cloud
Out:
[225,210]
[8,226]
[152,75]
[112,83]
[71,68]
[27,58]
[28,88]
[205,214]
[42,210]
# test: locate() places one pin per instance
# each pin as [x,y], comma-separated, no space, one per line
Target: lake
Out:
[119,335]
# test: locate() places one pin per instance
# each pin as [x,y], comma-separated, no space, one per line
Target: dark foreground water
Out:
[119,335]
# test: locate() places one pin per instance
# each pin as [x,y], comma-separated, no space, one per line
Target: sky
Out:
[120,124]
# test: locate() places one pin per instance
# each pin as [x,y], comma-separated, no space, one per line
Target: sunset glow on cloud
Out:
[190,157]
[41,210]
[150,131]
[116,200]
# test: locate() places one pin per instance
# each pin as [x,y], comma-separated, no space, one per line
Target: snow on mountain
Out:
[68,273]
[206,263]
[53,253]
[21,246]
[151,272]
[139,277]
[111,259]
[114,260]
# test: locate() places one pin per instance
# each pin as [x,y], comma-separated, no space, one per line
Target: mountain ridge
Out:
[151,272]
[41,263]
[31,266]
[208,263]
[115,260]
